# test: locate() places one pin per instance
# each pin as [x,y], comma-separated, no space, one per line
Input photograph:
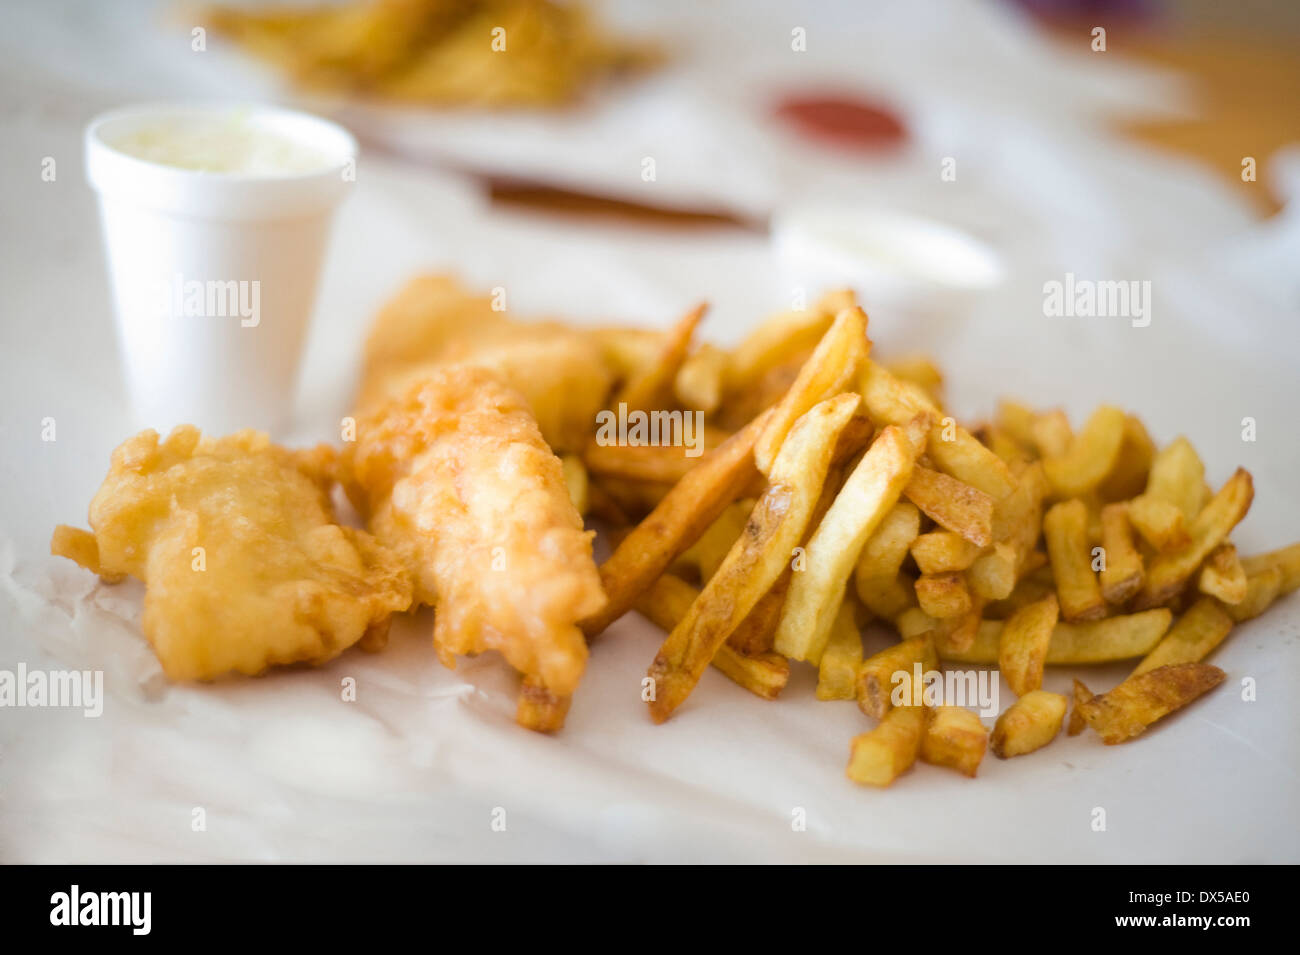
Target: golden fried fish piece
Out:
[236,542]
[560,371]
[456,478]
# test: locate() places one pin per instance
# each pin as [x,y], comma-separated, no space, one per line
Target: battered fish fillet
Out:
[456,478]
[561,372]
[236,542]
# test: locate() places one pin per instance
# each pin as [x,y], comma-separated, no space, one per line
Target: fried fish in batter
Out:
[236,542]
[456,478]
[561,371]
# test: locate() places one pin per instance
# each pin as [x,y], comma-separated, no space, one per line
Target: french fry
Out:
[1122,575]
[1017,524]
[1012,453]
[1023,645]
[870,492]
[920,371]
[837,672]
[1222,575]
[913,622]
[1052,434]
[1193,637]
[954,449]
[707,553]
[1028,724]
[1081,694]
[757,559]
[960,632]
[699,381]
[1017,421]
[876,577]
[1160,523]
[1101,641]
[1030,588]
[1127,710]
[958,507]
[755,633]
[1169,572]
[666,464]
[879,757]
[782,335]
[763,674]
[652,388]
[1065,527]
[1177,478]
[680,518]
[943,596]
[1262,588]
[1285,559]
[875,683]
[954,737]
[833,365]
[1132,465]
[539,709]
[1091,455]
[939,552]
[669,599]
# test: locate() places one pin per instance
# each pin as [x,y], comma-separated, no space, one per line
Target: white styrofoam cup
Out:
[214,274]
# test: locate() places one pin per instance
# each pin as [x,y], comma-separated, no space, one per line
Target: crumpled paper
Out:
[426,763]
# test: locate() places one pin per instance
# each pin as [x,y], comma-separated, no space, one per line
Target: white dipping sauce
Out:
[222,143]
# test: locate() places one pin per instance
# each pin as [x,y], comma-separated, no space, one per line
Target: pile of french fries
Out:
[836,492]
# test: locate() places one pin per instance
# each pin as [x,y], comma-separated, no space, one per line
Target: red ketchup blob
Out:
[842,121]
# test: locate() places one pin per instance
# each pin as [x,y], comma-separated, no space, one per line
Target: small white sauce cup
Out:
[214,274]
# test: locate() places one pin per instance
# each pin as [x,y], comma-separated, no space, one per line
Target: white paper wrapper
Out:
[418,767]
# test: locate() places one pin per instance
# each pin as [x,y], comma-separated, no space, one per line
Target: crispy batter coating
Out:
[243,562]
[456,478]
[560,371]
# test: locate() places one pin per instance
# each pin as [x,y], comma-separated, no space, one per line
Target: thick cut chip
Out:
[867,496]
[764,674]
[652,388]
[778,338]
[954,737]
[943,596]
[243,564]
[952,504]
[879,757]
[1101,641]
[955,450]
[1177,477]
[837,672]
[1026,638]
[1169,572]
[1192,637]
[1285,559]
[893,668]
[1160,523]
[675,524]
[1065,528]
[1091,455]
[757,559]
[940,552]
[831,368]
[1126,711]
[1222,575]
[455,478]
[1122,575]
[1028,724]
[877,575]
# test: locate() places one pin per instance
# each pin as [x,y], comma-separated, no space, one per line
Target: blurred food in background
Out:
[439,52]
